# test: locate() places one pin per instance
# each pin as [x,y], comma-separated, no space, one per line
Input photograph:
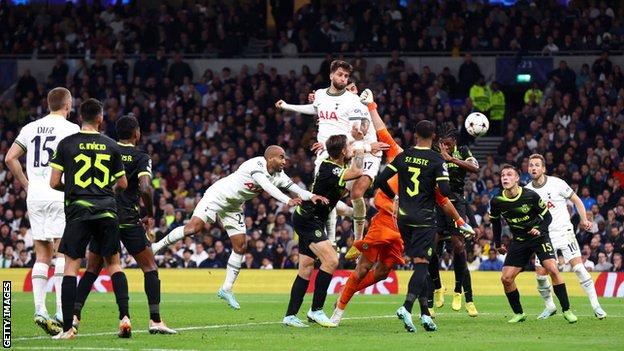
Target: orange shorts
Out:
[383,241]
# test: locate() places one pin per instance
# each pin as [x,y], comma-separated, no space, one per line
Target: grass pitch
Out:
[207,323]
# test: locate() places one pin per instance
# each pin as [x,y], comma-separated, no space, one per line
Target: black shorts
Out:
[134,239]
[418,242]
[519,252]
[446,224]
[102,236]
[310,230]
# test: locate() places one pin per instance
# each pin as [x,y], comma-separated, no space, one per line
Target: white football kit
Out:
[336,115]
[225,198]
[39,140]
[555,193]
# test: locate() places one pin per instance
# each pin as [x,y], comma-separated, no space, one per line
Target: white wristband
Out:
[359,145]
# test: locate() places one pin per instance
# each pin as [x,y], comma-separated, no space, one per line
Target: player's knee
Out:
[382,271]
[331,262]
[195,225]
[507,279]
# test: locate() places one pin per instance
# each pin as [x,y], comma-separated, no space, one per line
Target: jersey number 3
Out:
[86,160]
[415,173]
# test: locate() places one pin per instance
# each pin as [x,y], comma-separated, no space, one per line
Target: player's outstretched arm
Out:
[121,184]
[13,163]
[308,109]
[355,169]
[470,164]
[145,189]
[267,186]
[585,223]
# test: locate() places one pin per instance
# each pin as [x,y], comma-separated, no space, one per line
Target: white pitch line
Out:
[251,324]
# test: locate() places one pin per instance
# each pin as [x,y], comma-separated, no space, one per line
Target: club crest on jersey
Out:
[318,233]
[328,115]
[336,171]
[525,208]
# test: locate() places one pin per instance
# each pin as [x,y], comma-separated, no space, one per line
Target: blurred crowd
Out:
[198,129]
[224,29]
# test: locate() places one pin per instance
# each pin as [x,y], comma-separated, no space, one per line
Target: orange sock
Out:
[368,280]
[348,291]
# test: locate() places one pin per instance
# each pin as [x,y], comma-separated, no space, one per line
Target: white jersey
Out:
[39,139]
[231,192]
[336,114]
[555,193]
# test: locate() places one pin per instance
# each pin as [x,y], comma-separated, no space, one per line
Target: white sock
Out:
[233,267]
[59,268]
[344,209]
[39,281]
[359,217]
[587,283]
[169,239]
[543,286]
[330,226]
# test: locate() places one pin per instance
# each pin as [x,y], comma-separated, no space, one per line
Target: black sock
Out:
[120,287]
[297,293]
[323,279]
[467,285]
[459,266]
[424,307]
[68,297]
[514,301]
[151,284]
[562,295]
[429,291]
[416,286]
[434,271]
[82,292]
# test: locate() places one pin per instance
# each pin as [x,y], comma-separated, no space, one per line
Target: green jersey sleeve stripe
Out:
[149,174]
[57,166]
[21,145]
[442,178]
[392,167]
[119,174]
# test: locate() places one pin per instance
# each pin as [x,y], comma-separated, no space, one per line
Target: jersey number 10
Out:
[86,160]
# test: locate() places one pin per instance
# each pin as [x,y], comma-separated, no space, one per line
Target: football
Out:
[477,124]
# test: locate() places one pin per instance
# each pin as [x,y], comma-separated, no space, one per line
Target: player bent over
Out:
[528,219]
[138,166]
[382,247]
[225,198]
[419,170]
[555,192]
[91,163]
[309,223]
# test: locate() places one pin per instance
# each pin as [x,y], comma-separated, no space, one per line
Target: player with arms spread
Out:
[138,166]
[309,221]
[528,219]
[382,247]
[39,140]
[337,110]
[459,160]
[555,192]
[92,164]
[225,198]
[419,170]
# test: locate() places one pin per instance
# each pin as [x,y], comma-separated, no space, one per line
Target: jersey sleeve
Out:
[358,112]
[384,136]
[117,167]
[494,211]
[537,201]
[22,137]
[58,158]
[441,172]
[465,152]
[258,167]
[332,175]
[144,166]
[564,189]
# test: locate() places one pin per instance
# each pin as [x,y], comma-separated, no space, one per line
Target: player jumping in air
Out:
[138,166]
[309,222]
[337,109]
[92,164]
[225,198]
[555,192]
[39,140]
[382,247]
[528,219]
[419,170]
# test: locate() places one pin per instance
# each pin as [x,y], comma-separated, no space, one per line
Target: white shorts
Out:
[565,241]
[47,219]
[208,211]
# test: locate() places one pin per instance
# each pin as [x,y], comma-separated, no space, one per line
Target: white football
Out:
[477,124]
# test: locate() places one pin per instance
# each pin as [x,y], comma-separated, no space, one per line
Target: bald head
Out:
[275,158]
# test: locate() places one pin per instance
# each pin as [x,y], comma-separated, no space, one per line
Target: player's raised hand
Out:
[295,202]
[586,224]
[366,97]
[311,97]
[444,151]
[534,232]
[378,146]
[317,147]
[319,199]
[280,104]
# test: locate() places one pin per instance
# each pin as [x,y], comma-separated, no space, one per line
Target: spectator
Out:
[603,265]
[187,262]
[492,263]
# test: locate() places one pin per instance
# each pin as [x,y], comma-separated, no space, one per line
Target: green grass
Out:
[205,322]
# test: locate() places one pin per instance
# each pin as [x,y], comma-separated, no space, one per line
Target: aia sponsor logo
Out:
[103,282]
[385,287]
[328,115]
[610,284]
